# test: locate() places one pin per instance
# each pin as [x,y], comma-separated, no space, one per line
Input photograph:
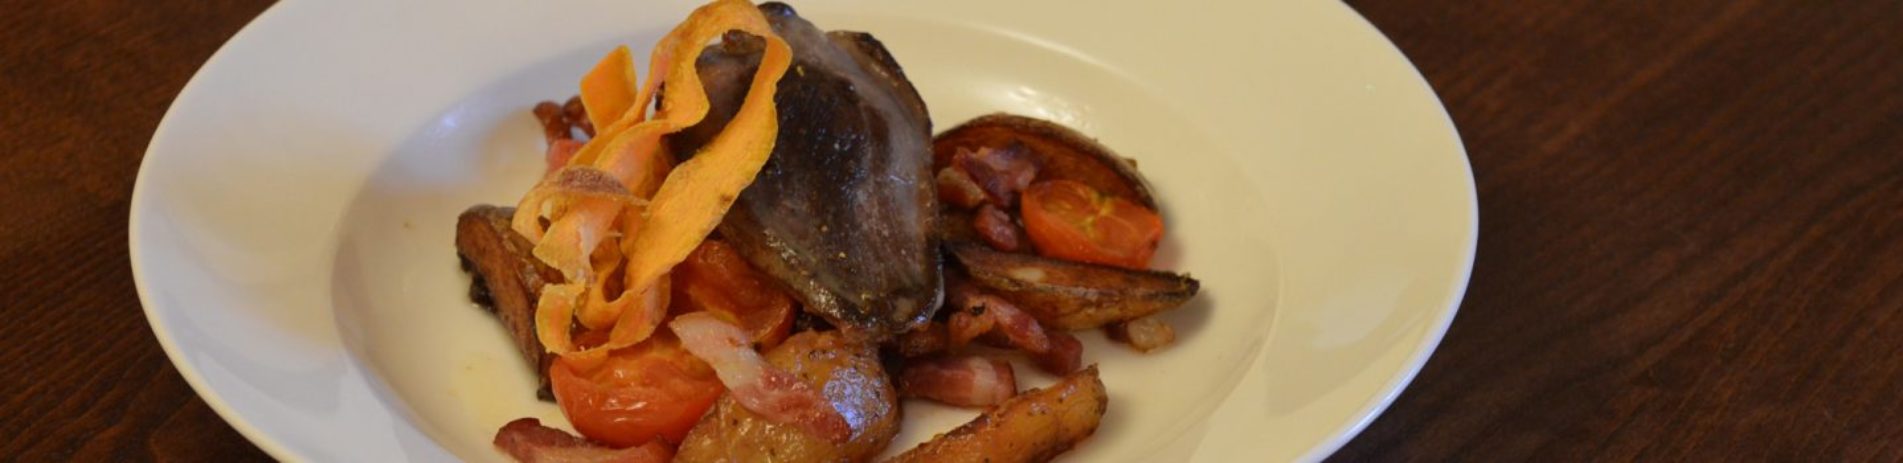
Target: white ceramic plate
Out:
[291,228]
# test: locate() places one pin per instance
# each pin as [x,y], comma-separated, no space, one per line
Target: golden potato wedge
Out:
[1070,295]
[506,280]
[1035,426]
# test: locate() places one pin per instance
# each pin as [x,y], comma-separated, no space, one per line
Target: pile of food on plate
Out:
[764,264]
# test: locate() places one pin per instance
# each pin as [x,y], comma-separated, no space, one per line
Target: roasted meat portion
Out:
[506,280]
[844,211]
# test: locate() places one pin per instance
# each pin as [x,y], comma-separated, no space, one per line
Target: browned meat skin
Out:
[844,211]
[1036,425]
[506,279]
[1068,295]
[851,377]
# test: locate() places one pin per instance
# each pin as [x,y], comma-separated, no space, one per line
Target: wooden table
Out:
[1691,230]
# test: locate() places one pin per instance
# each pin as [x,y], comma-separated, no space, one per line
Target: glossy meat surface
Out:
[844,211]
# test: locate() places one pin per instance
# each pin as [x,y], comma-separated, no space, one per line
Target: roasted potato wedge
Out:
[851,377]
[1034,426]
[507,280]
[1058,151]
[1069,295]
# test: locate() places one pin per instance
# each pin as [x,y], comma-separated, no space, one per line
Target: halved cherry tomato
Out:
[652,390]
[716,279]
[656,389]
[1072,221]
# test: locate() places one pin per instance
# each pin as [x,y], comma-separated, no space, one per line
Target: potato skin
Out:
[850,376]
[1035,426]
[1072,296]
[506,280]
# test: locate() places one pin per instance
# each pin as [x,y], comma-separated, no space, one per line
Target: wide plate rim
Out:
[241,422]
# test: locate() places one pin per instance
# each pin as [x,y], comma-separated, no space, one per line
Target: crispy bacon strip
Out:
[1065,356]
[980,313]
[997,321]
[771,392]
[1002,172]
[967,381]
[995,227]
[529,441]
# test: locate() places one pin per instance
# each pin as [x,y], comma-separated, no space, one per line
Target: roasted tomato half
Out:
[652,390]
[1072,221]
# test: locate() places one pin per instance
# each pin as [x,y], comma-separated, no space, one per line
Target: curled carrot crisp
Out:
[621,213]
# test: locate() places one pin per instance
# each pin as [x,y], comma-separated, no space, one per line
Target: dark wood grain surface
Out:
[1691,237]
[1691,231]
